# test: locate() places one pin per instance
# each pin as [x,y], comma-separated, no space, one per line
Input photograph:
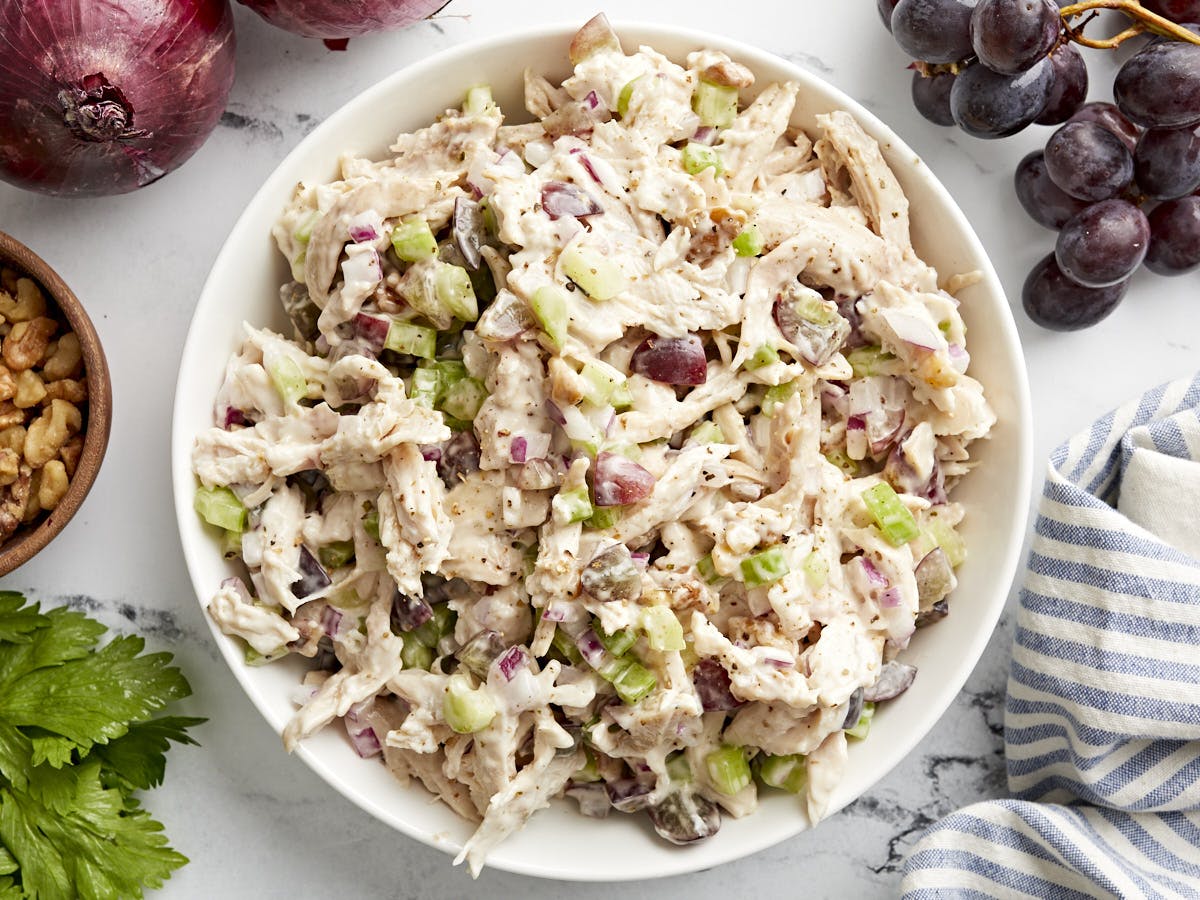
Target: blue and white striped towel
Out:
[1102,723]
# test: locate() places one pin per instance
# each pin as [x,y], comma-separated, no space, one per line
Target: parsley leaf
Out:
[77,738]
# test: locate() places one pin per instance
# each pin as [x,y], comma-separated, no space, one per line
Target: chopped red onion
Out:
[592,101]
[364,227]
[959,358]
[856,423]
[874,576]
[372,330]
[890,598]
[410,612]
[590,648]
[516,450]
[431,453]
[234,417]
[239,587]
[554,612]
[560,199]
[642,559]
[512,660]
[776,658]
[912,329]
[705,134]
[617,481]
[586,162]
[554,413]
[363,738]
[331,621]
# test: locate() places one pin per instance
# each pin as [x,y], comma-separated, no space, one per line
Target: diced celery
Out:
[605,517]
[590,771]
[464,398]
[749,241]
[303,232]
[777,395]
[572,506]
[622,397]
[437,626]
[727,769]
[715,104]
[625,96]
[467,710]
[370,521]
[663,631]
[598,277]
[426,387]
[288,379]
[564,645]
[816,570]
[413,241]
[868,360]
[765,567]
[843,462]
[948,538]
[698,157]
[707,433]
[602,380]
[416,340]
[231,544]
[764,356]
[619,642]
[812,308]
[478,100]
[890,514]
[414,654]
[336,554]
[550,305]
[454,291]
[679,769]
[298,267]
[450,371]
[944,327]
[627,449]
[788,773]
[863,725]
[704,565]
[633,681]
[253,658]
[220,506]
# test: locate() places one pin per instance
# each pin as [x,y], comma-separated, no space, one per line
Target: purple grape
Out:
[1174,237]
[1159,86]
[617,480]
[931,96]
[460,457]
[1054,301]
[1046,203]
[1068,85]
[1104,244]
[671,360]
[1166,162]
[987,104]
[713,686]
[934,31]
[1088,161]
[1107,115]
[886,7]
[1010,36]
[1175,10]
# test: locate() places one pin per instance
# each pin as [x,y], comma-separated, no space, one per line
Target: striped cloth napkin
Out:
[1102,722]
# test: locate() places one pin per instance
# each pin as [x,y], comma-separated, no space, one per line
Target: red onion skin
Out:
[103,97]
[335,19]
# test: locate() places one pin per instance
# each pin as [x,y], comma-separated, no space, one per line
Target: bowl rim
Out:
[99,404]
[646,32]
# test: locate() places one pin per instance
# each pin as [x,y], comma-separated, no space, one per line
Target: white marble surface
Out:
[257,823]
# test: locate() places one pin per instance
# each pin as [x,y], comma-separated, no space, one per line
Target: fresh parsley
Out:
[78,736]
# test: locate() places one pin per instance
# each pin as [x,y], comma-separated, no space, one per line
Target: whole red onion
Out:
[106,96]
[334,19]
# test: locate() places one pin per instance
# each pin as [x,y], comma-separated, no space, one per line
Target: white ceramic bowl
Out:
[560,843]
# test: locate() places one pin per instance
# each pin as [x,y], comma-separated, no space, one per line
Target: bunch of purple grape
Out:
[993,67]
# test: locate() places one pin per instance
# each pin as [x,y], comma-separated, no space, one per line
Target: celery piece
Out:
[749,241]
[413,241]
[416,340]
[698,157]
[948,538]
[890,514]
[764,567]
[625,96]
[370,521]
[619,642]
[727,769]
[452,286]
[816,570]
[812,308]
[869,360]
[288,379]
[253,658]
[573,505]
[633,681]
[679,770]
[336,554]
[437,626]
[622,397]
[231,544]
[426,388]
[298,267]
[550,305]
[465,709]
[863,725]
[598,277]
[303,232]
[478,100]
[464,398]
[590,771]
[604,517]
[414,654]
[788,773]
[450,371]
[707,433]
[843,462]
[715,104]
[602,381]
[220,506]
[663,631]
[704,565]
[764,356]
[776,396]
[563,643]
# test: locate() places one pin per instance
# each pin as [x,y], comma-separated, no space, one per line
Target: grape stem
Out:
[1144,21]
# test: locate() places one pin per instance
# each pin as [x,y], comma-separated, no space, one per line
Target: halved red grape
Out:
[1045,201]
[713,686]
[1174,237]
[1054,301]
[671,360]
[1088,161]
[617,480]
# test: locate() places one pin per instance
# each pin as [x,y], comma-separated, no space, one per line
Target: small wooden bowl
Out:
[30,539]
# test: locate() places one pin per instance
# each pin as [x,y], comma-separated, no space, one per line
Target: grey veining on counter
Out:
[257,823]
